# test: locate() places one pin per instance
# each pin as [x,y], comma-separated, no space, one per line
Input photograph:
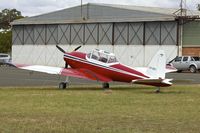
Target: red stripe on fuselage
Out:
[127,69]
[115,75]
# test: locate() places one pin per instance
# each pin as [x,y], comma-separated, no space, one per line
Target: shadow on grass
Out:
[134,89]
[163,92]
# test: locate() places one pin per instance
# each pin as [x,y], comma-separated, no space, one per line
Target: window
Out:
[3,55]
[196,58]
[177,59]
[95,55]
[112,59]
[88,55]
[185,59]
[103,57]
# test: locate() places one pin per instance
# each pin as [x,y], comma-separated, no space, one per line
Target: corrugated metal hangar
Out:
[133,33]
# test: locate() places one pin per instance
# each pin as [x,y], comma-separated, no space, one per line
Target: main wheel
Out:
[105,85]
[193,69]
[63,85]
[179,71]
[158,90]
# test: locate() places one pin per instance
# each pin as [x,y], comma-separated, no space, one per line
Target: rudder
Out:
[156,68]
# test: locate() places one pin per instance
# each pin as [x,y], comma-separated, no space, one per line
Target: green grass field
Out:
[90,110]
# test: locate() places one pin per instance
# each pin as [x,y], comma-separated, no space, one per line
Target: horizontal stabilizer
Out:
[154,82]
[170,68]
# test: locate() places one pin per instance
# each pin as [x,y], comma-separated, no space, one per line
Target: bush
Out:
[5,42]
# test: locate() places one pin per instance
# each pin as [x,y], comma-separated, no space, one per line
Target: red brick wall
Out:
[191,51]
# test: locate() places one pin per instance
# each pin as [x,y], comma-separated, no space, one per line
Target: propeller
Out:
[63,51]
[77,48]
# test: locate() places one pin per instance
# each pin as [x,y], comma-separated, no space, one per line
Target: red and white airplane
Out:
[103,66]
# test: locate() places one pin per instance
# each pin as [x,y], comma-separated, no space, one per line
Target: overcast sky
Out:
[36,7]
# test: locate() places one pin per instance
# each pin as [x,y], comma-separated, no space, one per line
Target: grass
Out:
[92,110]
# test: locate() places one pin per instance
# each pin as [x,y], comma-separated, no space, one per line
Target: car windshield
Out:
[102,56]
[177,59]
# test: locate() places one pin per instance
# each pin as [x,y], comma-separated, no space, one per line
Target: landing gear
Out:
[105,85]
[158,90]
[64,85]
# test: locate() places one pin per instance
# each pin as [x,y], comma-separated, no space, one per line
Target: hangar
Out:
[133,33]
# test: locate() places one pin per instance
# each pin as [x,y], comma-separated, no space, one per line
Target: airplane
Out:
[103,66]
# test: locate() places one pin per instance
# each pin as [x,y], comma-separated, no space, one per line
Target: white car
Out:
[4,58]
[184,63]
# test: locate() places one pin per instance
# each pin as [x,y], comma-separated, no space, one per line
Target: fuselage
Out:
[114,71]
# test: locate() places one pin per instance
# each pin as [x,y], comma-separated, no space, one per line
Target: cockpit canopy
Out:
[102,56]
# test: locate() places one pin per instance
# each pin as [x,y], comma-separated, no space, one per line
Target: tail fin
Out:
[156,68]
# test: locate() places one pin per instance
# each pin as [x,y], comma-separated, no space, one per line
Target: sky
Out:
[36,7]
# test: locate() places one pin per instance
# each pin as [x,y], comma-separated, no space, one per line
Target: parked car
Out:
[4,58]
[183,63]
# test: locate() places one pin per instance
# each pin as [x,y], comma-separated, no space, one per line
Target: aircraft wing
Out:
[78,73]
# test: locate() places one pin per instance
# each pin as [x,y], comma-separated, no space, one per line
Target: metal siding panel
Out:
[121,33]
[91,34]
[152,33]
[77,31]
[168,33]
[64,34]
[191,34]
[39,34]
[29,34]
[151,50]
[132,55]
[105,33]
[17,35]
[136,31]
[101,13]
[52,34]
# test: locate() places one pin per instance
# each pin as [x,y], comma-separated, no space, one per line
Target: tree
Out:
[5,42]
[6,17]
[198,7]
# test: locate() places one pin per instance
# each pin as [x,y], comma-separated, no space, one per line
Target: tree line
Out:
[6,17]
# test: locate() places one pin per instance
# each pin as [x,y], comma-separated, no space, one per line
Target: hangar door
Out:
[141,33]
[63,34]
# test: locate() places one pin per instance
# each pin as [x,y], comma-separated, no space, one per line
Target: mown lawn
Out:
[90,110]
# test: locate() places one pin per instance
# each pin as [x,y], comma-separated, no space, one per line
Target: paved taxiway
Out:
[10,76]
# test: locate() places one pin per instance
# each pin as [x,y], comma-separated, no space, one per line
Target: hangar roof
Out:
[92,13]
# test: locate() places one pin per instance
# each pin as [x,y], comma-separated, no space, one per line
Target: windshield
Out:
[112,59]
[102,56]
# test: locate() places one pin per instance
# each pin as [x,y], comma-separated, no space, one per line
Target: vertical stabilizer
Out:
[156,68]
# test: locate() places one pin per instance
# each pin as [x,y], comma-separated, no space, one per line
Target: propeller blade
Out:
[62,50]
[77,48]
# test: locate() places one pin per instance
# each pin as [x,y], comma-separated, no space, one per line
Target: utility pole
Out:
[81,9]
[181,7]
[180,46]
[182,17]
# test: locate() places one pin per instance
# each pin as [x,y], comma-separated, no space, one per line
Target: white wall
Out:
[132,55]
